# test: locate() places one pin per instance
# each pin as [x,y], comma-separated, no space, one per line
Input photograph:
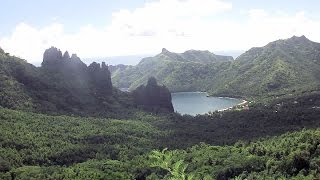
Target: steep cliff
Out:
[153,97]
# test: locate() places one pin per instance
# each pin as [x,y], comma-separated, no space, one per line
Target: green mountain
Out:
[281,67]
[187,71]
[15,75]
[63,85]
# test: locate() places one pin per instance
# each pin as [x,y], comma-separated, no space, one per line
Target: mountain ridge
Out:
[283,66]
[280,66]
[168,67]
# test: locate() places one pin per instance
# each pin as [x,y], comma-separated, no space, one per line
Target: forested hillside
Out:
[280,67]
[283,66]
[13,94]
[188,71]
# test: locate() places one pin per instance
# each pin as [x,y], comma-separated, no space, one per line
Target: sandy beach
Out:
[228,108]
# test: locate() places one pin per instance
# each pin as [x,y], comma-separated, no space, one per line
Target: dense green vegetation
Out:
[40,145]
[219,128]
[188,71]
[53,147]
[13,94]
[281,67]
[63,147]
[290,156]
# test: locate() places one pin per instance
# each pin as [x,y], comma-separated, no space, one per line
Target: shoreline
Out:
[229,108]
[242,103]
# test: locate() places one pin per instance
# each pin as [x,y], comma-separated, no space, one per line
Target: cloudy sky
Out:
[100,28]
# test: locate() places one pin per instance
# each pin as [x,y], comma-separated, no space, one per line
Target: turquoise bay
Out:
[194,103]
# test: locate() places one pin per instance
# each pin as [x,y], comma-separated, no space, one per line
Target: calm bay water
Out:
[194,103]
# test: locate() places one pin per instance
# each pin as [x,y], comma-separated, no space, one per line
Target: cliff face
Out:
[62,85]
[65,85]
[74,85]
[75,74]
[100,78]
[153,97]
[54,61]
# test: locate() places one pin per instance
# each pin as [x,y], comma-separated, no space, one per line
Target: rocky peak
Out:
[52,54]
[66,55]
[164,51]
[297,39]
[76,62]
[153,97]
[104,66]
[101,78]
[94,66]
[293,42]
[53,59]
[171,55]
[75,57]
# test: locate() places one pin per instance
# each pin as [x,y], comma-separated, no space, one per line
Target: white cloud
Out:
[27,41]
[175,24]
[263,27]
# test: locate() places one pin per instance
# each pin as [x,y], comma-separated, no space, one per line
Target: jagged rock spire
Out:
[101,78]
[52,54]
[66,55]
[153,97]
[164,50]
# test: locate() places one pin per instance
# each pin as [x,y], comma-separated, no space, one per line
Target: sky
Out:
[104,28]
